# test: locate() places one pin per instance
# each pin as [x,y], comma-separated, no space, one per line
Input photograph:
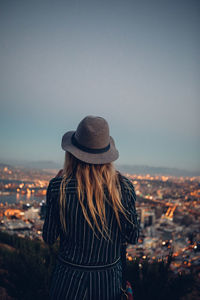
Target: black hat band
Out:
[86,149]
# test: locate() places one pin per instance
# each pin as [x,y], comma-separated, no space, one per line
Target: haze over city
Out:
[135,63]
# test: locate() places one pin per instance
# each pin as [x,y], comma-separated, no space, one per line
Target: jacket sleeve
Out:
[131,227]
[51,227]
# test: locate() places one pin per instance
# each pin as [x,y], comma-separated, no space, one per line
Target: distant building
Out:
[13,212]
[31,214]
[150,231]
[17,225]
[150,242]
[147,217]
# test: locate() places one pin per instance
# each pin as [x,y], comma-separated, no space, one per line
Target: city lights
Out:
[167,209]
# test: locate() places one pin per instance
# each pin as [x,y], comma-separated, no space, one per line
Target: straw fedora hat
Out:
[91,142]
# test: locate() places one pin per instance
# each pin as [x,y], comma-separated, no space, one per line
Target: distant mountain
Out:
[132,169]
[41,164]
[143,169]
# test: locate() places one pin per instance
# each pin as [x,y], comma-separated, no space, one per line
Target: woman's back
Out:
[80,244]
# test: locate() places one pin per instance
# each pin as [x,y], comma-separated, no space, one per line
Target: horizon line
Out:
[25,161]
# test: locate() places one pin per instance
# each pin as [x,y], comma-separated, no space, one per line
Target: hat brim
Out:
[101,158]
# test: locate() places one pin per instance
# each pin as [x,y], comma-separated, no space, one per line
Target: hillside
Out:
[26,266]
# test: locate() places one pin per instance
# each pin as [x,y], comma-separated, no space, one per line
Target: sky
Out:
[135,63]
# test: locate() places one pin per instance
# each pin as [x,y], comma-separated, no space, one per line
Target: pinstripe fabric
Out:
[71,283]
[81,246]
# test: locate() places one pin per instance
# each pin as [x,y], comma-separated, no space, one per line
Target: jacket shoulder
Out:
[56,182]
[126,182]
[127,187]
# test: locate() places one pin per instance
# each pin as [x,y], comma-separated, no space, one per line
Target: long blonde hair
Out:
[91,180]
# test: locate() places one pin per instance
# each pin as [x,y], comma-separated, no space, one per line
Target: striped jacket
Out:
[80,245]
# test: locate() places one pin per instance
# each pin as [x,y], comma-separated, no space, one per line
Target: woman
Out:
[91,207]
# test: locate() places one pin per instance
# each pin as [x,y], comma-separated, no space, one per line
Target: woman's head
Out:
[91,142]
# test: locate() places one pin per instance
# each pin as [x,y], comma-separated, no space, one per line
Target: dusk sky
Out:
[135,63]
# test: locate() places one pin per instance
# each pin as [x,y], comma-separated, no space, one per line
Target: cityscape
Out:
[168,209]
[134,64]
